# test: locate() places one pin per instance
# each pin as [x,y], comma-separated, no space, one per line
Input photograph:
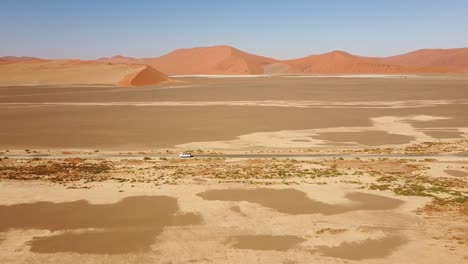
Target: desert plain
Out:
[226,132]
[286,169]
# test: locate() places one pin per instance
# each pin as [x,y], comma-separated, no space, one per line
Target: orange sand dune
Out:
[228,60]
[342,62]
[67,72]
[450,60]
[146,76]
[225,60]
[209,60]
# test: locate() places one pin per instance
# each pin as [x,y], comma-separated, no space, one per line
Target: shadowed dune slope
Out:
[144,76]
[66,72]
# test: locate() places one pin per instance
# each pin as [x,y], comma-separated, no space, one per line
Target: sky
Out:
[89,29]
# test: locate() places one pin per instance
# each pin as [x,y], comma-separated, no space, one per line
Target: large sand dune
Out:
[449,60]
[209,60]
[341,62]
[66,72]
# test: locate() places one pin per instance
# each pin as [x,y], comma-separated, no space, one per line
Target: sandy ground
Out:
[70,72]
[115,192]
[231,211]
[233,113]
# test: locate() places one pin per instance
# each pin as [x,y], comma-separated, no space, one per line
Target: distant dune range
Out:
[222,60]
[228,60]
[15,58]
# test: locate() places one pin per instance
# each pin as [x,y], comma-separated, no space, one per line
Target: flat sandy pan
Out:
[253,89]
[174,223]
[202,111]
[126,127]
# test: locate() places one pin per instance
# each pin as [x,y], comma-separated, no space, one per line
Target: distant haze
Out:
[281,29]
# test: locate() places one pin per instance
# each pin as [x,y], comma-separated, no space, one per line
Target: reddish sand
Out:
[228,60]
[225,60]
[445,60]
[209,60]
[145,76]
[66,72]
[341,62]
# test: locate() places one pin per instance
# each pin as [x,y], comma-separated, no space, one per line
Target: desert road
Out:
[239,156]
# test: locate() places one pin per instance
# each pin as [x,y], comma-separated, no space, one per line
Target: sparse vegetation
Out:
[401,176]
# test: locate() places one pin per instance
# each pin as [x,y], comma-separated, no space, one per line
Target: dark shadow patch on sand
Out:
[291,201]
[367,249]
[368,138]
[300,140]
[444,134]
[265,242]
[199,180]
[97,242]
[457,173]
[129,225]
[387,229]
[236,209]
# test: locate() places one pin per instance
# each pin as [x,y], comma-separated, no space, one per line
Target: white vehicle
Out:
[185,155]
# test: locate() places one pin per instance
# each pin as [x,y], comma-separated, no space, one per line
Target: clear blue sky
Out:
[284,29]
